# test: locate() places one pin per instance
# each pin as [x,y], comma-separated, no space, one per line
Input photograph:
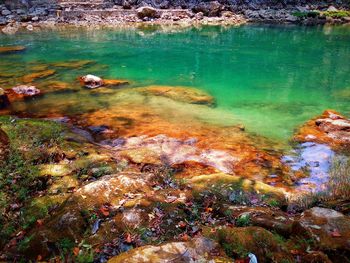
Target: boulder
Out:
[196,250]
[212,8]
[11,49]
[147,11]
[121,192]
[11,29]
[23,91]
[332,9]
[328,228]
[91,81]
[330,128]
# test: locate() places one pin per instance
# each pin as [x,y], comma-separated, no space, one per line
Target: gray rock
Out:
[332,9]
[147,11]
[6,12]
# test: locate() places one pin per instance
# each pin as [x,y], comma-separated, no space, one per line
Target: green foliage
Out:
[310,14]
[243,220]
[337,14]
[274,203]
[19,176]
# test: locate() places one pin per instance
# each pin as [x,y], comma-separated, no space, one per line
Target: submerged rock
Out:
[195,250]
[57,86]
[11,49]
[73,64]
[330,128]
[328,228]
[114,82]
[38,75]
[184,94]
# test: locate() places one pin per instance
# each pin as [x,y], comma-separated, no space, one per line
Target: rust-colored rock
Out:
[114,82]
[38,75]
[328,228]
[184,94]
[22,92]
[10,49]
[330,128]
[237,152]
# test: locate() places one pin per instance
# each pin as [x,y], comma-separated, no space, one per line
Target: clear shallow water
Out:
[269,78]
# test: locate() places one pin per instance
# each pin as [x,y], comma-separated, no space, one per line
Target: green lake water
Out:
[269,78]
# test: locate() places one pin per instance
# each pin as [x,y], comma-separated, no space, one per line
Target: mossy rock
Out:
[238,242]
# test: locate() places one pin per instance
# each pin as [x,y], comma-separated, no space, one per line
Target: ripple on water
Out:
[316,160]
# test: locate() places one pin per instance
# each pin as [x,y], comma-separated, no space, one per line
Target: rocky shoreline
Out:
[125,184]
[15,17]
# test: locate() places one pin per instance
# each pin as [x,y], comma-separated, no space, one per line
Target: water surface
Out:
[269,78]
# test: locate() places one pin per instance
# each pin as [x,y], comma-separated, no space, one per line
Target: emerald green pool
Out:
[269,78]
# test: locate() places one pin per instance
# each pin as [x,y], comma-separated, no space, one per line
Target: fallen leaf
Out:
[128,238]
[39,222]
[76,251]
[104,211]
[182,224]
[335,233]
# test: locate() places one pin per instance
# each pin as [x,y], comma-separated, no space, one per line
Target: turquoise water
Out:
[269,78]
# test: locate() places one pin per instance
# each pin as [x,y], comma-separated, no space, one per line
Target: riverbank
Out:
[210,13]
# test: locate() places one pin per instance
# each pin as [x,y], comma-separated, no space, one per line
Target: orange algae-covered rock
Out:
[184,94]
[22,92]
[38,75]
[330,128]
[10,49]
[72,64]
